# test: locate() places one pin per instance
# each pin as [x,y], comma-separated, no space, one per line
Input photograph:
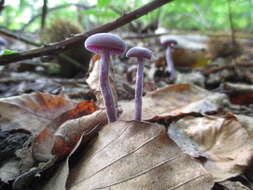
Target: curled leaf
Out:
[222,141]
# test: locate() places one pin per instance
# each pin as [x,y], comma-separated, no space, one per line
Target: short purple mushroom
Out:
[169,44]
[141,54]
[106,44]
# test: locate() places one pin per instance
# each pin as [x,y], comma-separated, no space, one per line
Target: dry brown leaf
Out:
[247,123]
[44,142]
[67,136]
[31,112]
[66,139]
[223,141]
[233,185]
[173,101]
[136,155]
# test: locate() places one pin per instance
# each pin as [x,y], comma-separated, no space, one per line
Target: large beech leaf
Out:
[136,155]
[174,100]
[223,141]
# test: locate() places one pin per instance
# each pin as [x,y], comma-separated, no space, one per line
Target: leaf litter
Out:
[218,146]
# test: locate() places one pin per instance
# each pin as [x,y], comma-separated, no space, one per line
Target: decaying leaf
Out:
[44,142]
[173,101]
[65,140]
[136,155]
[32,111]
[67,136]
[233,185]
[247,123]
[223,141]
[27,116]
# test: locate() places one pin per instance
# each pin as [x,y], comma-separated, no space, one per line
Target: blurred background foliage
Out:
[181,14]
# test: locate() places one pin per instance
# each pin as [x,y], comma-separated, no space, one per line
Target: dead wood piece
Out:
[231,66]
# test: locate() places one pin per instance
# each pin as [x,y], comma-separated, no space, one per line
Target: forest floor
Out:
[196,131]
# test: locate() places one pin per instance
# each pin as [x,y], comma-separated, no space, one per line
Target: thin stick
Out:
[19,37]
[67,44]
[220,68]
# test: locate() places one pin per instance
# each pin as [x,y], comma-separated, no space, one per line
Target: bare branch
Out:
[11,34]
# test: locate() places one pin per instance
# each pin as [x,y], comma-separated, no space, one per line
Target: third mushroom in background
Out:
[141,54]
[169,44]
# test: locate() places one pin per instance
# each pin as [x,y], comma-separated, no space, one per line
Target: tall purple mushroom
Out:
[141,54]
[169,44]
[106,44]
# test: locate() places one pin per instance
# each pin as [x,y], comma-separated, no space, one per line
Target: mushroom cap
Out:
[3,42]
[169,42]
[139,52]
[101,41]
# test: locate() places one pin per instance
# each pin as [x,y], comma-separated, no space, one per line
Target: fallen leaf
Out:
[136,155]
[65,141]
[44,142]
[173,101]
[247,123]
[233,185]
[9,170]
[67,135]
[222,141]
[59,179]
[27,116]
[31,112]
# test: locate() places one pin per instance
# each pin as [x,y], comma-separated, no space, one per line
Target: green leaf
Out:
[8,52]
[103,3]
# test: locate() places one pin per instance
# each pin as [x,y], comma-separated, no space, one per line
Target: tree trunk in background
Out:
[44,14]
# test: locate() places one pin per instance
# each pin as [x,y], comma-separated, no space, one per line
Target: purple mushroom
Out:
[169,44]
[141,54]
[106,44]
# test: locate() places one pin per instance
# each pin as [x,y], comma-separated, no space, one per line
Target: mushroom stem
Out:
[139,89]
[170,65]
[105,86]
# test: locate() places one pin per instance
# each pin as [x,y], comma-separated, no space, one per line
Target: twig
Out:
[29,79]
[54,9]
[79,38]
[18,37]
[220,68]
